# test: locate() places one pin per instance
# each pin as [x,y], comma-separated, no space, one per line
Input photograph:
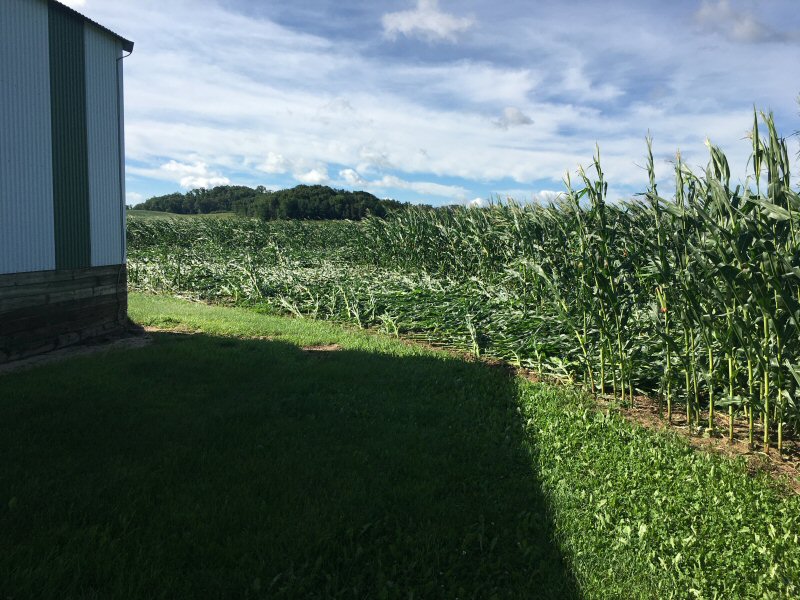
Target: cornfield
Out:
[693,299]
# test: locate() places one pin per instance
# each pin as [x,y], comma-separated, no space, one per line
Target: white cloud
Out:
[721,17]
[575,81]
[478,203]
[546,196]
[425,188]
[74,3]
[174,166]
[425,21]
[373,158]
[132,198]
[522,196]
[193,182]
[274,163]
[352,177]
[513,117]
[315,176]
[470,81]
[249,86]
[188,176]
[236,113]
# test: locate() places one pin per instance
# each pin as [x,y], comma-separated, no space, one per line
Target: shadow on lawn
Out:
[212,467]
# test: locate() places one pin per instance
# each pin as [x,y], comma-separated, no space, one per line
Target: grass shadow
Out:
[208,466]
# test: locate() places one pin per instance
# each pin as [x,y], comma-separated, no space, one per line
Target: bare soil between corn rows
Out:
[646,412]
[785,467]
[649,413]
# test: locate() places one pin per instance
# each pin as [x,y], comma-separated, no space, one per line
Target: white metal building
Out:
[62,179]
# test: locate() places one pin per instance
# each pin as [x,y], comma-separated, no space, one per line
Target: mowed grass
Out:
[224,461]
[211,465]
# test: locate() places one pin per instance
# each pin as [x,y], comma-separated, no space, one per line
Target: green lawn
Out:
[224,461]
[210,466]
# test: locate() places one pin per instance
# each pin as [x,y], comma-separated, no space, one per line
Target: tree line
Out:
[311,202]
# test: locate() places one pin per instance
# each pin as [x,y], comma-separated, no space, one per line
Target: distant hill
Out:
[202,201]
[314,202]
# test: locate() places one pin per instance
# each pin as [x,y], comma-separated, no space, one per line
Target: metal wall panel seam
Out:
[121,140]
[26,183]
[101,51]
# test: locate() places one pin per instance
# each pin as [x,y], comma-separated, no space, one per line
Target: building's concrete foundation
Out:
[46,310]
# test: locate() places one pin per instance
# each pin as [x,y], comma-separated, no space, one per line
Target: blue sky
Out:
[442,101]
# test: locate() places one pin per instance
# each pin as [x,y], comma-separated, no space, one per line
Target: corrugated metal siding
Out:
[26,182]
[123,198]
[70,156]
[105,203]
